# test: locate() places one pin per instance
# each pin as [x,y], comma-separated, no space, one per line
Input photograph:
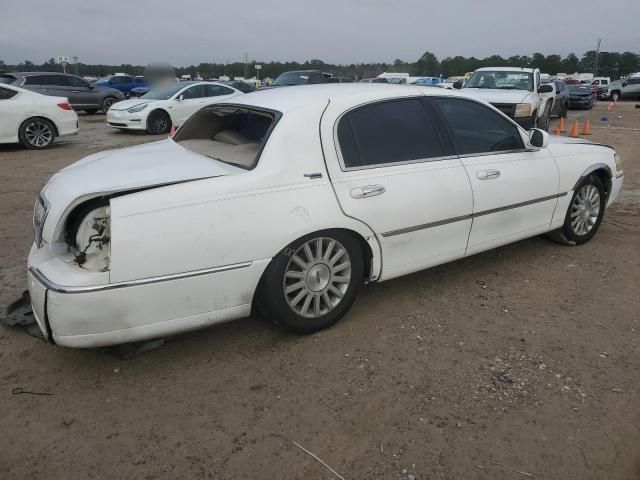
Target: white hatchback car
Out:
[291,199]
[157,110]
[33,119]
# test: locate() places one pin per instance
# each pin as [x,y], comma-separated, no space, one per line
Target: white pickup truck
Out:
[517,92]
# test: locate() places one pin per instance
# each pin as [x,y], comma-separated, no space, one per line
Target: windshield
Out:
[163,93]
[578,89]
[105,79]
[502,80]
[291,78]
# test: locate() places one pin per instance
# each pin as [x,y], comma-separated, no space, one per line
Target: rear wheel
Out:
[615,95]
[37,133]
[313,282]
[158,122]
[585,213]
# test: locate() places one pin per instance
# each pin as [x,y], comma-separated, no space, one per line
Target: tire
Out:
[37,133]
[305,291]
[107,102]
[543,122]
[616,95]
[564,110]
[158,122]
[584,214]
[91,111]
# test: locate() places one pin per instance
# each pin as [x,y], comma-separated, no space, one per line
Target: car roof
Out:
[505,69]
[39,73]
[286,99]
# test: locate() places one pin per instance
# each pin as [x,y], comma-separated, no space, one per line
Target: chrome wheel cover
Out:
[585,210]
[38,133]
[317,277]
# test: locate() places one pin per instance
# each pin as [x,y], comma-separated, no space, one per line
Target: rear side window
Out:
[216,90]
[7,78]
[230,134]
[6,94]
[386,133]
[476,128]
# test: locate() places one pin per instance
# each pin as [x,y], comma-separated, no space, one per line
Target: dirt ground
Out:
[521,362]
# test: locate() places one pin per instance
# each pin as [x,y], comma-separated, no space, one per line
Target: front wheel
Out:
[543,122]
[107,103]
[37,133]
[585,213]
[313,282]
[158,122]
[564,109]
[615,96]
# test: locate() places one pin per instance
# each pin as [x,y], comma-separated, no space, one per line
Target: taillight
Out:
[65,106]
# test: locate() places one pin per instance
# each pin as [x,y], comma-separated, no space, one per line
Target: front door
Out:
[515,188]
[186,103]
[390,169]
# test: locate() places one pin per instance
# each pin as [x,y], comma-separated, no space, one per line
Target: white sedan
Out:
[157,110]
[33,119]
[291,199]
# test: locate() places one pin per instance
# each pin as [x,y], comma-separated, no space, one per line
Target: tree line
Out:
[609,64]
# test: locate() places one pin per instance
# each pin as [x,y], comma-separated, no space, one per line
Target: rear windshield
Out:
[228,133]
[578,89]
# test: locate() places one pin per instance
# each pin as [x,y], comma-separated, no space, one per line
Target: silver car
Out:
[627,89]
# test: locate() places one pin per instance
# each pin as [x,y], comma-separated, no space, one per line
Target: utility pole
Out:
[246,57]
[595,62]
[75,63]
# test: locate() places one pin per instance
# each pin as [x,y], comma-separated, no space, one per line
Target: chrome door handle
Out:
[367,191]
[488,174]
[75,91]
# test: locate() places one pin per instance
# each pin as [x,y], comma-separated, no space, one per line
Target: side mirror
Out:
[457,84]
[624,84]
[180,98]
[545,88]
[90,86]
[538,138]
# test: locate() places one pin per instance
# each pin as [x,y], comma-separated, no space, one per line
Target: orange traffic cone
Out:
[562,128]
[587,127]
[556,131]
[574,130]
[172,132]
[610,106]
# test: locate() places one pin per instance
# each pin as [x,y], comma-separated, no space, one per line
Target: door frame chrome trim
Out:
[54,287]
[446,221]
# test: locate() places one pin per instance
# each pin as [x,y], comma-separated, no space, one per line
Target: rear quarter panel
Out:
[232,219]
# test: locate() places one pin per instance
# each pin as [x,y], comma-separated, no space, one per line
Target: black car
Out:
[244,87]
[561,103]
[300,77]
[81,94]
[581,96]
[339,80]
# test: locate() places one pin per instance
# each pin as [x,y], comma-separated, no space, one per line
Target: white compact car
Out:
[157,110]
[290,199]
[33,119]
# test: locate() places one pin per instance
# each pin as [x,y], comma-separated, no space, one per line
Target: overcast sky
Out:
[192,31]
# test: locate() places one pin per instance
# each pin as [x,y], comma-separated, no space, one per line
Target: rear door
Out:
[515,188]
[391,169]
[217,93]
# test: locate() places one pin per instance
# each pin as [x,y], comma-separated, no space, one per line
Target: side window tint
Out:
[6,94]
[476,128]
[216,90]
[196,91]
[77,82]
[388,132]
[33,80]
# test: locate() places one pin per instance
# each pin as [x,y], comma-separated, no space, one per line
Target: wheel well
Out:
[55,127]
[605,176]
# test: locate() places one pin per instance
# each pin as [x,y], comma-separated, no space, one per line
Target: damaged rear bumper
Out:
[102,315]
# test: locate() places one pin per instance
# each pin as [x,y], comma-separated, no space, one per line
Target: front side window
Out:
[216,90]
[388,132]
[197,91]
[6,94]
[500,79]
[77,82]
[476,128]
